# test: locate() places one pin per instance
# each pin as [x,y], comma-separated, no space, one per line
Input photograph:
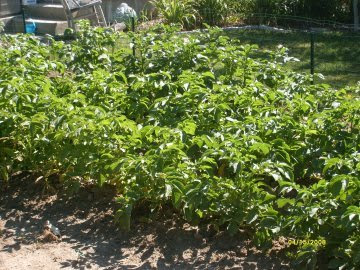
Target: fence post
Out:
[23,15]
[133,30]
[312,56]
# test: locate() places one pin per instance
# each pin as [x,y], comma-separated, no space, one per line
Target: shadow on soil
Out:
[86,222]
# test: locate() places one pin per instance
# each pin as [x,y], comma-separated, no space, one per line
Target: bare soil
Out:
[91,240]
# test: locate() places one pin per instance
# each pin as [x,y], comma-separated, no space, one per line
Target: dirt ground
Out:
[91,240]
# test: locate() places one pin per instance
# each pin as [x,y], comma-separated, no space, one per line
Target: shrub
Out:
[212,12]
[339,10]
[219,12]
[176,11]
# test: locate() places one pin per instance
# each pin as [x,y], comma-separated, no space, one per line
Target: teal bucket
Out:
[30,27]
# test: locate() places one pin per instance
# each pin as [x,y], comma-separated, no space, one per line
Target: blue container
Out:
[30,27]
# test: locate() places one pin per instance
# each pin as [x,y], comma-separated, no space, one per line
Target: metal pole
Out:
[23,14]
[356,14]
[133,30]
[212,17]
[312,57]
[133,24]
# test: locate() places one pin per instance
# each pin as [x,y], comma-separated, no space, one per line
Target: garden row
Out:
[199,122]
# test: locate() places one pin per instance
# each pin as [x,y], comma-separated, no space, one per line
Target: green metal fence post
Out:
[312,56]
[133,30]
[23,15]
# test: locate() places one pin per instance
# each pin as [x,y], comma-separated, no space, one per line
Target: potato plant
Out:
[220,130]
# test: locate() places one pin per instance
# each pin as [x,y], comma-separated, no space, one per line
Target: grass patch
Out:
[337,55]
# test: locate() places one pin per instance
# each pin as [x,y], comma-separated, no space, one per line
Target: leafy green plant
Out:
[222,131]
[176,11]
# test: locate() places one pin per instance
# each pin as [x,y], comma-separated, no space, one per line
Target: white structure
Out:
[123,13]
[109,6]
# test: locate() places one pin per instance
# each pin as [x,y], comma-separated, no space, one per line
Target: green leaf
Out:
[261,148]
[337,186]
[177,199]
[330,163]
[282,202]
[307,258]
[123,217]
[189,127]
[102,180]
[252,216]
[209,74]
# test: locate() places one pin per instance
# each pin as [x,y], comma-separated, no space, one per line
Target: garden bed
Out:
[90,240]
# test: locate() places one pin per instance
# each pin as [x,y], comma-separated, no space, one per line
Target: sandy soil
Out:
[91,240]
